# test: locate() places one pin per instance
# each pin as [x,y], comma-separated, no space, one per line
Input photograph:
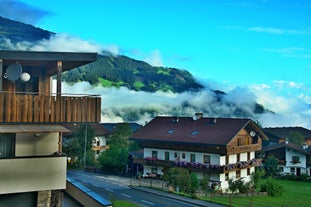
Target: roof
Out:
[31,128]
[284,132]
[211,131]
[287,145]
[99,129]
[110,126]
[47,60]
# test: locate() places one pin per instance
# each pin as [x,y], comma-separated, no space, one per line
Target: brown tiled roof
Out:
[99,129]
[188,130]
[288,145]
[284,132]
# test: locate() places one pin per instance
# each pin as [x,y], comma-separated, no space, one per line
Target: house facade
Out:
[292,159]
[222,148]
[32,166]
[101,134]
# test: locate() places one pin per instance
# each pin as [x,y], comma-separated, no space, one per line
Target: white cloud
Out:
[66,43]
[154,58]
[279,31]
[290,108]
[288,100]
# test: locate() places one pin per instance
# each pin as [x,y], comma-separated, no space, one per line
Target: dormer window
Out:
[195,132]
[171,131]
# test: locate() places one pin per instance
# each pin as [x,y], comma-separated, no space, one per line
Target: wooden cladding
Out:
[245,148]
[41,108]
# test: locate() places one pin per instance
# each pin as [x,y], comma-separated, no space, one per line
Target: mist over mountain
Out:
[133,90]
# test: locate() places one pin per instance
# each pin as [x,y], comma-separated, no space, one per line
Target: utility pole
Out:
[85,142]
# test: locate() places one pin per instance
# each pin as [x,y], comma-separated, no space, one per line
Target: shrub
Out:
[272,188]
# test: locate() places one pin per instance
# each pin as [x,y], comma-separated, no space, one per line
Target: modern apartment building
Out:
[32,166]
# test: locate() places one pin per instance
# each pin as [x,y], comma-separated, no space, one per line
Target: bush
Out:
[272,188]
[239,185]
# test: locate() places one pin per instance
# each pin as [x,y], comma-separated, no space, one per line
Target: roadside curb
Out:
[176,197]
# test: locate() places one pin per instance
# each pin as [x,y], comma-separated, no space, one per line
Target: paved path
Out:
[144,185]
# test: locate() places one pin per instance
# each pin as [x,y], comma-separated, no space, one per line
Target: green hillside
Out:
[117,71]
[18,32]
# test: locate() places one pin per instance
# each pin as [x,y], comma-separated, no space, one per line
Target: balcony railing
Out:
[47,108]
[200,167]
[243,148]
[27,174]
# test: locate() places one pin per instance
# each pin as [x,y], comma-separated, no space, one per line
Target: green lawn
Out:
[295,193]
[123,203]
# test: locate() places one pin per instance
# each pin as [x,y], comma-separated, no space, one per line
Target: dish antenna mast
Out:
[15,71]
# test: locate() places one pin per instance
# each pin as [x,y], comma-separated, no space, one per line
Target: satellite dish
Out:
[195,118]
[13,72]
[252,133]
[25,77]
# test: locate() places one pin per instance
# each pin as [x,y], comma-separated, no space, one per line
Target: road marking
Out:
[128,196]
[107,189]
[147,202]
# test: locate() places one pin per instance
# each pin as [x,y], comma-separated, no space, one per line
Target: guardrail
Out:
[84,195]
[45,108]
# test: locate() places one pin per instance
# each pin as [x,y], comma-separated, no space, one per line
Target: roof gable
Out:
[287,145]
[210,131]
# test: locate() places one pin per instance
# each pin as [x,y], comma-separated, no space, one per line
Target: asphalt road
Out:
[111,187]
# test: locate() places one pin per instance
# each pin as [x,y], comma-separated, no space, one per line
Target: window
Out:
[227,159]
[227,176]
[195,132]
[206,159]
[238,158]
[7,145]
[154,154]
[175,155]
[183,155]
[171,131]
[281,169]
[248,171]
[292,170]
[154,170]
[192,157]
[97,143]
[248,156]
[167,156]
[239,141]
[238,174]
[295,159]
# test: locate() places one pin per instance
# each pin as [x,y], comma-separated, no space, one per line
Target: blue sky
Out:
[261,45]
[243,42]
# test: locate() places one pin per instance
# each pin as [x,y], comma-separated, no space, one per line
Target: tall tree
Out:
[296,137]
[79,146]
[116,157]
[271,166]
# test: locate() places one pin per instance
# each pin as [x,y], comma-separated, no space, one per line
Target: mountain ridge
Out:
[122,71]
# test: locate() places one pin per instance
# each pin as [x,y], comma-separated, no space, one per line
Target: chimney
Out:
[175,119]
[305,146]
[199,115]
[212,121]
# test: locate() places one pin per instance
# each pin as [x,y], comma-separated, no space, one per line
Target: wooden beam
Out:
[59,77]
[1,74]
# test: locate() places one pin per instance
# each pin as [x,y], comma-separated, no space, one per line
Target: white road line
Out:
[147,202]
[128,196]
[107,189]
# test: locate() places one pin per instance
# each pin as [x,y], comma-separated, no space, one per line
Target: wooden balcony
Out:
[154,162]
[199,167]
[243,148]
[26,174]
[49,108]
